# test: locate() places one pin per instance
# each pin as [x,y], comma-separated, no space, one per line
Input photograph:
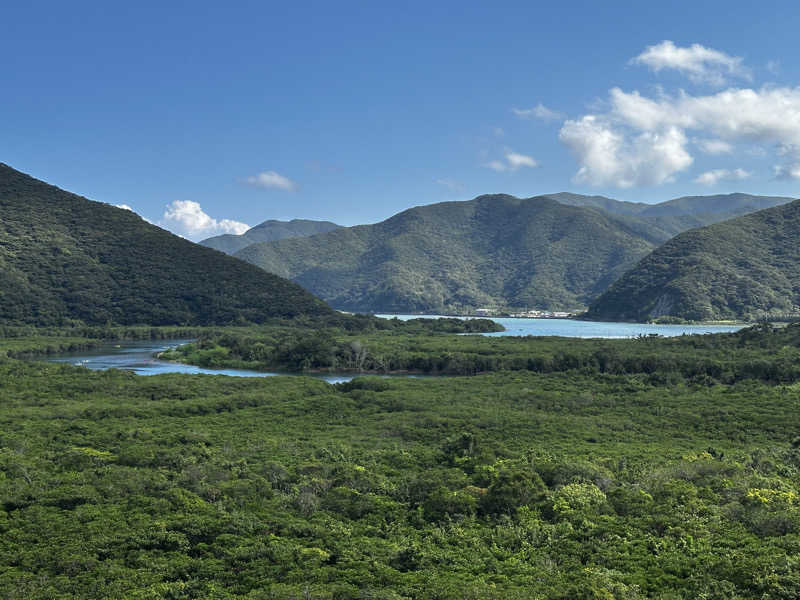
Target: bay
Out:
[585,329]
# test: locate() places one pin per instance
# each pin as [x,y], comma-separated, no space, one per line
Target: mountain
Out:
[65,259]
[493,250]
[268,231]
[711,209]
[681,214]
[743,268]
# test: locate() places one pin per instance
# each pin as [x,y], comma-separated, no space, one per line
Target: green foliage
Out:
[507,485]
[760,352]
[67,260]
[495,250]
[746,268]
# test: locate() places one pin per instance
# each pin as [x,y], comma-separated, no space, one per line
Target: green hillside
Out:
[707,209]
[744,268]
[268,231]
[493,250]
[66,259]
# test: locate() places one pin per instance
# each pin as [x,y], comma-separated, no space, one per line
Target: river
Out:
[140,356]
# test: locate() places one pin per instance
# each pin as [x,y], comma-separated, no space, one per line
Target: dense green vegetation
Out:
[762,352]
[745,268]
[492,251]
[268,231]
[689,211]
[65,259]
[584,483]
[455,256]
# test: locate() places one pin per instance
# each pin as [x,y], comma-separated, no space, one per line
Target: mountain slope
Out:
[680,214]
[719,207]
[66,259]
[495,249]
[739,269]
[268,231]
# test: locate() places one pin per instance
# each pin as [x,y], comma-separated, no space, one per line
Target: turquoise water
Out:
[140,356]
[589,329]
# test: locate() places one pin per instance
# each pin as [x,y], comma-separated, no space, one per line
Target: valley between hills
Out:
[497,467]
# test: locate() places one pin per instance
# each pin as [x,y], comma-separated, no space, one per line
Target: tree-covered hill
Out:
[493,250]
[268,231]
[554,252]
[710,209]
[66,259]
[745,268]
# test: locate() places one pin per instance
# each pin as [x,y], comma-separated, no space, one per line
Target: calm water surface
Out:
[589,329]
[140,356]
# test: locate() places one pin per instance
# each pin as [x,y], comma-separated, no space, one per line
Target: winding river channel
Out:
[141,356]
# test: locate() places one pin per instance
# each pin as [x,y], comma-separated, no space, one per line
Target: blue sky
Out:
[206,116]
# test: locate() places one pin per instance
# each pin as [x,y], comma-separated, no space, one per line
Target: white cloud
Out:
[643,141]
[517,160]
[497,165]
[714,146]
[124,207]
[513,161]
[540,111]
[699,63]
[450,184]
[713,177]
[187,218]
[774,66]
[271,179]
[610,157]
[787,171]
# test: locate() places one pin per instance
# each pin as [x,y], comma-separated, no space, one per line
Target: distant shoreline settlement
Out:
[526,314]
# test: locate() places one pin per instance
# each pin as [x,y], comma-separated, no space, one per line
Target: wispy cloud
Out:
[714,146]
[513,161]
[540,111]
[699,63]
[271,179]
[450,184]
[713,177]
[187,218]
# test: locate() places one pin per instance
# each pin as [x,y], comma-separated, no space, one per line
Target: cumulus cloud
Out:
[513,161]
[271,179]
[188,219]
[124,207]
[643,141]
[610,157]
[699,63]
[713,177]
[540,111]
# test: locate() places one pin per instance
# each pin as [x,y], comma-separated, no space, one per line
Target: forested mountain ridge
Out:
[66,259]
[718,207]
[558,251]
[268,231]
[744,268]
[493,250]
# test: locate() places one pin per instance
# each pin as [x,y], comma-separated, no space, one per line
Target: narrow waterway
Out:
[140,357]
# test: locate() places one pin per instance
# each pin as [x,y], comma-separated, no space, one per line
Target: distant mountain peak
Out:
[268,231]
